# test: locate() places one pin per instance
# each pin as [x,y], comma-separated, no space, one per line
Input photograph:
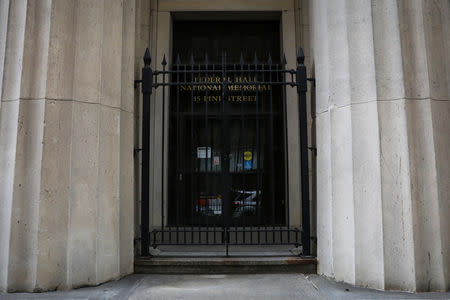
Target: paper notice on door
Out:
[216,161]
[203,152]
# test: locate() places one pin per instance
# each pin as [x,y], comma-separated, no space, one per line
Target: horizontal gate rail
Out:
[203,236]
[208,100]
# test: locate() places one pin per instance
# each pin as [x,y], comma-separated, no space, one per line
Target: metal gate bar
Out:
[195,231]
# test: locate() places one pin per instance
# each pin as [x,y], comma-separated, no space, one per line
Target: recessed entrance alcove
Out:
[190,205]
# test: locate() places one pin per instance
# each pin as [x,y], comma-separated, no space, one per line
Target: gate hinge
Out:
[313,80]
[136,150]
[136,82]
[313,149]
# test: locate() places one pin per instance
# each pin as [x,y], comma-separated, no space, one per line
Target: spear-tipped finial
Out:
[178,62]
[192,58]
[284,59]
[147,58]
[300,56]
[164,62]
[269,61]
[255,59]
[241,60]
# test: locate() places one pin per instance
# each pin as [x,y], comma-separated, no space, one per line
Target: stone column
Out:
[66,143]
[396,190]
[9,116]
[382,73]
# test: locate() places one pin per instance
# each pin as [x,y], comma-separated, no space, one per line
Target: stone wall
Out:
[382,69]
[66,142]
[69,201]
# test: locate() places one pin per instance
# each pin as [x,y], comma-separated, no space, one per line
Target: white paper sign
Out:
[203,152]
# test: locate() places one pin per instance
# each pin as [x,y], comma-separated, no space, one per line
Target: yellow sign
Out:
[247,155]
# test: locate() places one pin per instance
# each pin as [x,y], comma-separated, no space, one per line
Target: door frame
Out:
[162,44]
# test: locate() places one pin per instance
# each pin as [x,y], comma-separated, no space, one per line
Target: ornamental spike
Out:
[300,56]
[147,58]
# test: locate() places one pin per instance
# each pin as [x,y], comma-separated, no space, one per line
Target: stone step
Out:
[224,265]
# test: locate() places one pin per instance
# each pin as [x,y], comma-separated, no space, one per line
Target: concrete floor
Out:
[235,287]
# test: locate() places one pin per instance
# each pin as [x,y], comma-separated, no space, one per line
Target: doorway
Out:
[226,148]
[227,157]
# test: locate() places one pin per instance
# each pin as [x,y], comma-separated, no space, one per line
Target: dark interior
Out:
[255,131]
[233,37]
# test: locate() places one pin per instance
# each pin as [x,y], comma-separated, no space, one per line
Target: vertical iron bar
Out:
[258,162]
[249,75]
[301,90]
[193,151]
[211,138]
[225,155]
[265,173]
[242,146]
[164,63]
[286,157]
[178,172]
[198,165]
[147,85]
[277,72]
[272,163]
[207,160]
[183,160]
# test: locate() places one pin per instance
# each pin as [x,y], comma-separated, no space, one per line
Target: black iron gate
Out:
[227,153]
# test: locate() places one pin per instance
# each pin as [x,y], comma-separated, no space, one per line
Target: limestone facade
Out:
[66,143]
[382,71]
[69,121]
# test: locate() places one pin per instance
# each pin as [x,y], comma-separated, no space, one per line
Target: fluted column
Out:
[4,10]
[324,206]
[369,257]
[341,147]
[9,116]
[27,170]
[66,143]
[428,115]
[395,172]
[383,163]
